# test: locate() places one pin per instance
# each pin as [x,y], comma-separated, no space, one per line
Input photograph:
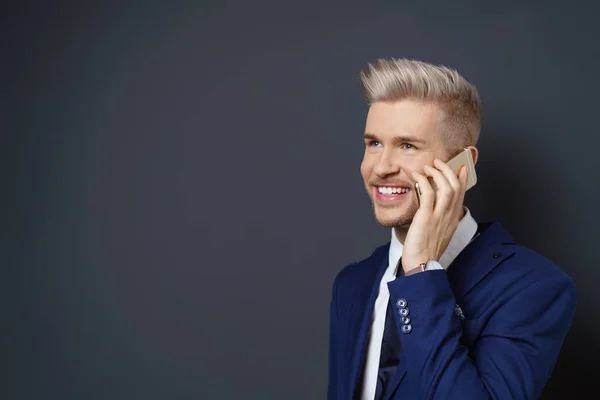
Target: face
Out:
[400,137]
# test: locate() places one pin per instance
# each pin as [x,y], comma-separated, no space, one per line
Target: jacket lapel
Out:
[363,302]
[479,258]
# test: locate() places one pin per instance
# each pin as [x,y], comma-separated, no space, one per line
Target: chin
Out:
[393,218]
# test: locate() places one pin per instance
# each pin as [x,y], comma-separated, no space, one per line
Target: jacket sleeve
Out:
[513,356]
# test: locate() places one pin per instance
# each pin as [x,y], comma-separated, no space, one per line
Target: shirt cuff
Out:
[433,265]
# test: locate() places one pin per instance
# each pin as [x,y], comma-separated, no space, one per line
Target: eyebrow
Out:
[397,139]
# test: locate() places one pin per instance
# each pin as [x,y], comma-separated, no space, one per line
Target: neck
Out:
[400,232]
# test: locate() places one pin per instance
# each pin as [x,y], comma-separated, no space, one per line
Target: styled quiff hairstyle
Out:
[396,79]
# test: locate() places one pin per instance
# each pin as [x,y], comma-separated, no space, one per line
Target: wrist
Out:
[414,262]
[415,270]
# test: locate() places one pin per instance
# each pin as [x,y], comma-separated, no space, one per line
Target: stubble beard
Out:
[403,220]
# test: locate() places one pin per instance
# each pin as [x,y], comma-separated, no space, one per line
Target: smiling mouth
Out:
[392,190]
[387,194]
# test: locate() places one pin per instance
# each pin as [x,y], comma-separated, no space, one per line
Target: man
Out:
[450,308]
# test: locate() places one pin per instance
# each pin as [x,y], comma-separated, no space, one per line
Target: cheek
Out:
[417,163]
[365,168]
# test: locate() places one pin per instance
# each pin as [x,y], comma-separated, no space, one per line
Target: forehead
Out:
[405,117]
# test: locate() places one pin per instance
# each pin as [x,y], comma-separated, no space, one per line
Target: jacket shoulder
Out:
[534,267]
[525,274]
[524,266]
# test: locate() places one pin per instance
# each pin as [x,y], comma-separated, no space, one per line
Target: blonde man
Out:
[450,308]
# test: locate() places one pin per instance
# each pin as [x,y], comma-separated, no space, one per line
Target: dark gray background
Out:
[182,181]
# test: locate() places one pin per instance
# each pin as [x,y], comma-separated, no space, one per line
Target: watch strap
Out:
[419,268]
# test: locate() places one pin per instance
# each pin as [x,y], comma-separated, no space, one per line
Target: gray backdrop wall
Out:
[182,181]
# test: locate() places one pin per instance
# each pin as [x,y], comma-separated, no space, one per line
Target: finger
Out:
[452,176]
[445,192]
[458,180]
[427,193]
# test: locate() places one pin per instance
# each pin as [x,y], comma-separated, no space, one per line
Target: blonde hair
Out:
[396,79]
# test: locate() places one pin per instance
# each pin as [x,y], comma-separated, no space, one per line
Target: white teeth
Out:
[388,191]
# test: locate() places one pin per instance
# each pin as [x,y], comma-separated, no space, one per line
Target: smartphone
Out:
[465,157]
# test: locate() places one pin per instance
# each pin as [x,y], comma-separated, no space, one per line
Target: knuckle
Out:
[446,190]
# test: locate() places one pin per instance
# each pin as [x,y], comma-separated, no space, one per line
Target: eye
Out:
[407,146]
[373,143]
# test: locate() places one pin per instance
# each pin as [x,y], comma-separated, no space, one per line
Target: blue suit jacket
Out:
[516,307]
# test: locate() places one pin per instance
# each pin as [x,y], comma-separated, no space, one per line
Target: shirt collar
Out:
[467,227]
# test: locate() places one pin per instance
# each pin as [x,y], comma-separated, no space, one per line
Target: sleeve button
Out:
[403,312]
[401,303]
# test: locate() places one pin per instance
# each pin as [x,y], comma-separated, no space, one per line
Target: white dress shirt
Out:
[465,232]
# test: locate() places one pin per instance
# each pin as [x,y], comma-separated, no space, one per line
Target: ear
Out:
[474,153]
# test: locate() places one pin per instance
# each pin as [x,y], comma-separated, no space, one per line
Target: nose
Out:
[386,165]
